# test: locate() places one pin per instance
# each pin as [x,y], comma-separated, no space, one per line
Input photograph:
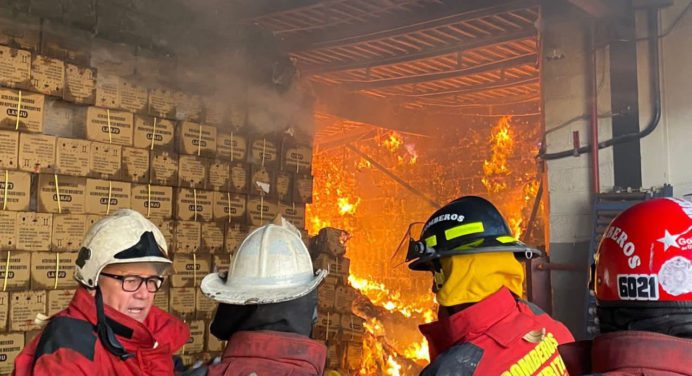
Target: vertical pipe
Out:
[595,170]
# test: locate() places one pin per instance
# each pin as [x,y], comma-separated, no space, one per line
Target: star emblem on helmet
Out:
[669,240]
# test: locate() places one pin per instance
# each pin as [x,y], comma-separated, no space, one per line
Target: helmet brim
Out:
[517,247]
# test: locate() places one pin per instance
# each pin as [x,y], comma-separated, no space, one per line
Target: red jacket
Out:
[496,336]
[269,353]
[630,353]
[69,345]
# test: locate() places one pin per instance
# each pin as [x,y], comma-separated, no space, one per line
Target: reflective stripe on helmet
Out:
[431,241]
[506,239]
[466,229]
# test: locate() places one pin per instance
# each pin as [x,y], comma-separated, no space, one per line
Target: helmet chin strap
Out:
[105,333]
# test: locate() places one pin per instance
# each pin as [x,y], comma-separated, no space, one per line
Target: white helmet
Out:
[272,265]
[123,237]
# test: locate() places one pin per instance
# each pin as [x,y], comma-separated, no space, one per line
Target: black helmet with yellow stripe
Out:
[467,225]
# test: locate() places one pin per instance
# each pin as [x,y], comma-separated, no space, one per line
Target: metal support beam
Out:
[479,88]
[594,8]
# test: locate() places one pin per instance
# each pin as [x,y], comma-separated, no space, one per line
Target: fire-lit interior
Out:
[374,182]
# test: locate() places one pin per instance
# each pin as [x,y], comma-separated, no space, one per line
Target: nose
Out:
[142,292]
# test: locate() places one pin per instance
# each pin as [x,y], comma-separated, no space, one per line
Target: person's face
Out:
[135,304]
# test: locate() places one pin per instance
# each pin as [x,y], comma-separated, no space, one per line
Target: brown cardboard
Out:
[8,231]
[107,91]
[34,231]
[161,103]
[162,298]
[193,171]
[31,115]
[9,149]
[164,167]
[99,192]
[262,181]
[4,311]
[163,134]
[196,342]
[261,210]
[204,307]
[231,146]
[283,184]
[15,68]
[298,159]
[327,318]
[214,111]
[21,31]
[213,343]
[47,75]
[212,237]
[106,160]
[45,266]
[337,266]
[135,165]
[344,298]
[263,152]
[59,300]
[97,126]
[187,106]
[181,302]
[80,85]
[167,227]
[193,205]
[221,262]
[237,114]
[15,190]
[152,200]
[18,273]
[302,189]
[326,295]
[11,344]
[189,269]
[219,175]
[188,235]
[327,333]
[133,97]
[24,305]
[196,139]
[73,157]
[233,204]
[354,354]
[91,219]
[235,234]
[68,231]
[36,153]
[294,213]
[64,119]
[239,177]
[72,194]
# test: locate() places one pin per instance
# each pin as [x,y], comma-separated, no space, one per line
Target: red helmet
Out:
[645,254]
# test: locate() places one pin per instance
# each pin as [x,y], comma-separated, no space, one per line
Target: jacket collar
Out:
[641,350]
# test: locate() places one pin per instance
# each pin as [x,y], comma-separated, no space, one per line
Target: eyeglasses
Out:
[132,283]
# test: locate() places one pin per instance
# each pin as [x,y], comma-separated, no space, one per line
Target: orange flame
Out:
[501,146]
[392,142]
[346,207]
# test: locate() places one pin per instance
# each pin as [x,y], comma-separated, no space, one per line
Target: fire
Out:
[418,351]
[393,142]
[495,169]
[380,295]
[346,207]
[393,368]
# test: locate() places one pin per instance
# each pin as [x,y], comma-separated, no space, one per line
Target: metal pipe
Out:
[595,169]
[557,266]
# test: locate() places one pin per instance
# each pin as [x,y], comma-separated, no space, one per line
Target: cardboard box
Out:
[214,111]
[298,159]
[221,262]
[53,270]
[181,305]
[135,165]
[337,266]
[152,200]
[72,196]
[219,175]
[213,343]
[20,31]
[212,237]
[91,219]
[261,210]
[11,344]
[239,177]
[107,91]
[204,307]
[294,213]
[263,152]
[302,189]
[193,205]
[196,139]
[64,119]
[30,116]
[283,184]
[262,181]
[188,236]
[344,298]
[164,167]
[167,227]
[15,190]
[326,295]
[161,103]
[100,122]
[161,131]
[9,149]
[36,153]
[47,75]
[188,107]
[327,318]
[106,160]
[235,234]
[59,300]
[34,231]
[196,342]
[24,305]
[326,333]
[73,157]
[80,85]
[189,269]
[18,272]
[230,204]
[4,310]
[193,172]
[68,232]
[106,196]
[133,97]
[162,298]
[65,42]
[8,231]
[15,68]
[231,146]
[354,354]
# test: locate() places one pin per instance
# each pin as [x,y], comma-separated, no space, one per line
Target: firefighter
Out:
[483,327]
[268,303]
[643,284]
[111,326]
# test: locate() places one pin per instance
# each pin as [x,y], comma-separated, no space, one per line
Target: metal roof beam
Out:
[478,88]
